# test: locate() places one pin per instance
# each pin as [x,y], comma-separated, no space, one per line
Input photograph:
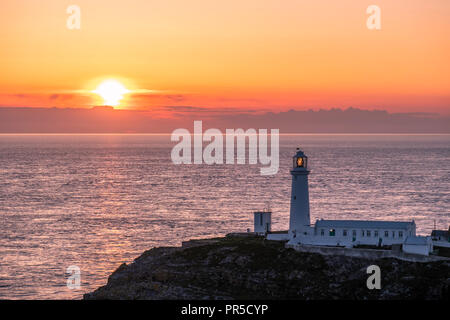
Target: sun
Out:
[112,91]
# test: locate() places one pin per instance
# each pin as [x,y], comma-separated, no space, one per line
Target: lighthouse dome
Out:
[299,153]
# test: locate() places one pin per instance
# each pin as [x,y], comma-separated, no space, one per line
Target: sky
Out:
[263,55]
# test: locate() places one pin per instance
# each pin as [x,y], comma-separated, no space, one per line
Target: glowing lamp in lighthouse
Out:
[300,161]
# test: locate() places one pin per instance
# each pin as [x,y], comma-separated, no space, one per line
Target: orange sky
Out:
[265,54]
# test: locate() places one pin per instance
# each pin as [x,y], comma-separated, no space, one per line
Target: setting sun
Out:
[111,91]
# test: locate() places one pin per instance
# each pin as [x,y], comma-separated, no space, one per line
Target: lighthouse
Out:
[299,223]
[336,233]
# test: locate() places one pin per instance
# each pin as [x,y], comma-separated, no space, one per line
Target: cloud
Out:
[211,110]
[109,120]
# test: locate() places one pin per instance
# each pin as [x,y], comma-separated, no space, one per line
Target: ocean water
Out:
[96,201]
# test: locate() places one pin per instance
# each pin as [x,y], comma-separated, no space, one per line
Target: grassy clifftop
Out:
[254,268]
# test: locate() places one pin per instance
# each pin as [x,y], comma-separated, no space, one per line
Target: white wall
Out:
[262,222]
[416,249]
[360,239]
[278,236]
[299,212]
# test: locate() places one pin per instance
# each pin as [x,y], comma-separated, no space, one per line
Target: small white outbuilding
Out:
[263,222]
[418,245]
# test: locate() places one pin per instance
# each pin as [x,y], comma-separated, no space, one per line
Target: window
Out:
[393,234]
[322,232]
[261,219]
[332,232]
[354,233]
[386,234]
[368,233]
[362,233]
[400,234]
[344,233]
[375,233]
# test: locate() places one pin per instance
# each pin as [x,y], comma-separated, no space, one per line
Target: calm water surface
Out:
[97,201]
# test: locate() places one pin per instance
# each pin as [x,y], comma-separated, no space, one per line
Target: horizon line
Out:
[280,134]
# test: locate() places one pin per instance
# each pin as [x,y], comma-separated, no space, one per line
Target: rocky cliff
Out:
[254,268]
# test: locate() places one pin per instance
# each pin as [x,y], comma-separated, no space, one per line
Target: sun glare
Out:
[111,91]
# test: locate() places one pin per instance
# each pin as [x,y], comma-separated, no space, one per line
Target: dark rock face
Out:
[254,268]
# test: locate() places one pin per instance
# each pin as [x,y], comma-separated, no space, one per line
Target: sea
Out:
[97,201]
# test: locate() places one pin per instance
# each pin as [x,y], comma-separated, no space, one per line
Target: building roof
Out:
[299,153]
[417,240]
[440,233]
[364,224]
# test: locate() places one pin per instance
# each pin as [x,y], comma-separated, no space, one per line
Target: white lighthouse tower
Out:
[299,218]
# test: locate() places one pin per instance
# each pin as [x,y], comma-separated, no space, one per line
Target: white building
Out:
[418,245]
[263,222]
[355,232]
[345,233]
